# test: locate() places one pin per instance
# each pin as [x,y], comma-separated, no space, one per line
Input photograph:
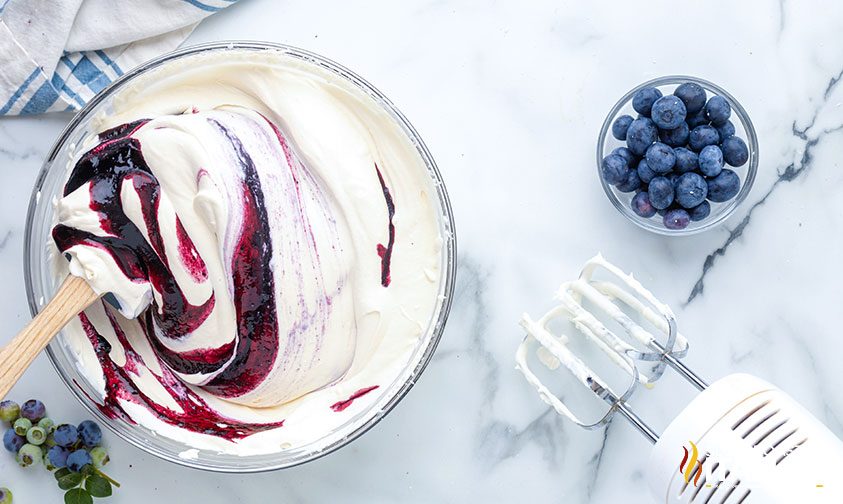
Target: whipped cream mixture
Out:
[271,244]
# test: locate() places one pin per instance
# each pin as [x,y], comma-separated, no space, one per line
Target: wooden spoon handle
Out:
[73,296]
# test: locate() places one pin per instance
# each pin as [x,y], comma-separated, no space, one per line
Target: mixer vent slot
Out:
[748,415]
[770,430]
[767,434]
[778,443]
[757,423]
[788,452]
[730,490]
[720,491]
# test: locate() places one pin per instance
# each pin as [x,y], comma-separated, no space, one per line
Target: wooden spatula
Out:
[73,296]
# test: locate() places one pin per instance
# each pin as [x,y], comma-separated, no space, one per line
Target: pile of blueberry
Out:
[74,452]
[34,438]
[675,155]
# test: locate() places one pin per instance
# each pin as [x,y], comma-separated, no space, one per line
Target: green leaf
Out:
[98,486]
[78,496]
[64,471]
[70,480]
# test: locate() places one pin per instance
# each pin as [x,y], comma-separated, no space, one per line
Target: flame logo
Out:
[689,460]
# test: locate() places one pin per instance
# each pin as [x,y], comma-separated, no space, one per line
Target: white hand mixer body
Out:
[744,440]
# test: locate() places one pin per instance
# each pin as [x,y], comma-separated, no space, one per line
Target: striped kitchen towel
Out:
[56,54]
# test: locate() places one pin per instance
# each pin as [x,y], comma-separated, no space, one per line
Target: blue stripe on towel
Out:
[203,6]
[43,99]
[88,73]
[110,62]
[17,94]
[62,87]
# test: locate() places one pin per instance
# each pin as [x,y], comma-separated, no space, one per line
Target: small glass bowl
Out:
[719,211]
[41,284]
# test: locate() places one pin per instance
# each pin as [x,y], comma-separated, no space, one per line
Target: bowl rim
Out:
[449,246]
[751,165]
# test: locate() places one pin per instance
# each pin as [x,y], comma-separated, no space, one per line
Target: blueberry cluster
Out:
[675,155]
[35,439]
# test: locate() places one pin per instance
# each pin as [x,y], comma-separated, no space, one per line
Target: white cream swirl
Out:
[272,242]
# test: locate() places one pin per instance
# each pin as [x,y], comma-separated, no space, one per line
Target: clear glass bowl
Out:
[719,211]
[40,284]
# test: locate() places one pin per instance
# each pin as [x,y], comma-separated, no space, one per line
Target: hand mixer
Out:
[741,440]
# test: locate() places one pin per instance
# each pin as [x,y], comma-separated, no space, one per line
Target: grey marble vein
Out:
[15,155]
[782,5]
[499,440]
[790,173]
[596,462]
[829,88]
[470,291]
[5,240]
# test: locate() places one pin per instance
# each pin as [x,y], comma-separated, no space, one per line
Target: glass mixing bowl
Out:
[41,285]
[606,143]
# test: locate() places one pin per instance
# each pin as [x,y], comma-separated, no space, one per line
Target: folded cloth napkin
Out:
[56,54]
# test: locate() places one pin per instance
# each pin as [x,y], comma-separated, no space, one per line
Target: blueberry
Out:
[614,169]
[697,119]
[36,435]
[724,186]
[620,126]
[90,432]
[58,456]
[691,190]
[9,411]
[692,95]
[626,154]
[631,184]
[734,151]
[660,157]
[725,130]
[676,137]
[717,110]
[641,134]
[668,112]
[645,173]
[641,205]
[47,424]
[66,435]
[33,409]
[677,219]
[661,192]
[99,456]
[22,425]
[13,441]
[78,459]
[686,160]
[700,211]
[711,160]
[702,136]
[643,100]
[29,454]
[5,496]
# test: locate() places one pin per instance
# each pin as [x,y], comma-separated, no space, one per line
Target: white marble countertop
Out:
[509,97]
